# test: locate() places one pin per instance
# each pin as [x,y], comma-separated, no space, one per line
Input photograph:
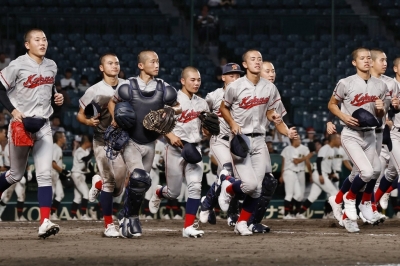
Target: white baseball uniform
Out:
[290,174]
[155,172]
[78,171]
[58,190]
[303,152]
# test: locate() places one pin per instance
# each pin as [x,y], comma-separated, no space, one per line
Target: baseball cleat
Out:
[154,203]
[242,229]
[336,208]
[300,216]
[378,218]
[165,217]
[288,217]
[190,231]
[111,231]
[54,217]
[177,217]
[350,208]
[224,198]
[232,220]
[94,192]
[259,228]
[22,219]
[204,216]
[130,227]
[351,226]
[384,201]
[366,210]
[365,221]
[47,228]
[85,217]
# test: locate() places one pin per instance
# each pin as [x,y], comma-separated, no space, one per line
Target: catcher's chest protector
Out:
[142,106]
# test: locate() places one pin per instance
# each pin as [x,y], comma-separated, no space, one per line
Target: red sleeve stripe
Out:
[1,74]
[275,101]
[82,102]
[338,96]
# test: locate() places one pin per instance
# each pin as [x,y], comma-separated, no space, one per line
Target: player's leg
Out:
[5,198]
[155,180]
[116,205]
[75,204]
[20,191]
[43,165]
[289,179]
[80,185]
[58,196]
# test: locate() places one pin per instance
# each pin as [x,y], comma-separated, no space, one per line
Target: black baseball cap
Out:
[231,68]
[365,118]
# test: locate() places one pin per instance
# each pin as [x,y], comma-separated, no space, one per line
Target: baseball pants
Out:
[394,162]
[19,189]
[58,190]
[139,156]
[81,189]
[292,186]
[155,180]
[221,151]
[317,187]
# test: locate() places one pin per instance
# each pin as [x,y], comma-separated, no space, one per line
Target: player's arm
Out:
[302,159]
[330,126]
[81,117]
[111,108]
[56,167]
[347,164]
[226,114]
[319,170]
[334,108]
[174,139]
[5,101]
[308,163]
[282,128]
[282,167]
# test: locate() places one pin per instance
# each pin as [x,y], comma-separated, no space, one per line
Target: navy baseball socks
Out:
[192,206]
[3,183]
[106,201]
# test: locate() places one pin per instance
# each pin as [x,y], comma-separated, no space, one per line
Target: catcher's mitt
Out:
[210,122]
[115,140]
[161,121]
[20,136]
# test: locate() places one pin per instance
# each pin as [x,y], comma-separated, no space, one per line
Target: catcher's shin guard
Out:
[211,199]
[139,183]
[269,185]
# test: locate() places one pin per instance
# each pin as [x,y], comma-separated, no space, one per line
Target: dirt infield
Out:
[295,242]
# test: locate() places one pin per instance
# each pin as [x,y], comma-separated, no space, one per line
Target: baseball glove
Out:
[115,140]
[210,122]
[20,136]
[161,121]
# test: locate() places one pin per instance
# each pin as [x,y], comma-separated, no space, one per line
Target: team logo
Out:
[234,67]
[33,82]
[248,102]
[188,115]
[361,99]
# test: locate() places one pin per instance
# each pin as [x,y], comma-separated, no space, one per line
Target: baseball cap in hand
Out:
[240,145]
[365,118]
[231,68]
[190,153]
[386,138]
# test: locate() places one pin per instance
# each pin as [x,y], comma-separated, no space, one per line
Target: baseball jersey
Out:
[355,92]
[101,94]
[78,165]
[6,156]
[214,100]
[249,103]
[57,157]
[188,126]
[30,85]
[396,93]
[303,152]
[392,87]
[289,153]
[340,156]
[328,154]
[159,153]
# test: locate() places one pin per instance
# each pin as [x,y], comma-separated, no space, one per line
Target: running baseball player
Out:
[219,146]
[80,162]
[142,94]
[26,91]
[291,173]
[112,174]
[248,103]
[186,135]
[362,106]
[324,174]
[59,140]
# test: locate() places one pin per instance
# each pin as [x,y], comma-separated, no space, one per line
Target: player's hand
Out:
[17,115]
[281,180]
[379,104]
[330,128]
[321,179]
[311,154]
[174,140]
[205,133]
[349,120]
[58,99]
[395,102]
[292,133]
[235,128]
[277,119]
[113,123]
[93,122]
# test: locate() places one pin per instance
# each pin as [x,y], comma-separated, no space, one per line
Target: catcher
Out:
[141,95]
[183,155]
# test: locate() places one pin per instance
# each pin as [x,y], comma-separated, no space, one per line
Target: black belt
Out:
[254,134]
[378,130]
[225,138]
[184,142]
[394,128]
[361,130]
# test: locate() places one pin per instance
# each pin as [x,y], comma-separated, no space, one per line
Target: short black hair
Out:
[84,77]
[104,55]
[57,136]
[26,35]
[68,70]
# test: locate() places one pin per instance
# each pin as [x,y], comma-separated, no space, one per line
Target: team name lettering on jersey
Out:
[248,102]
[188,115]
[361,99]
[33,82]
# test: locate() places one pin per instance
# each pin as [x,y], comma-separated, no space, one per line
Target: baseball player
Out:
[324,174]
[248,103]
[219,145]
[82,157]
[358,93]
[186,132]
[143,94]
[268,71]
[26,90]
[291,173]
[59,140]
[112,174]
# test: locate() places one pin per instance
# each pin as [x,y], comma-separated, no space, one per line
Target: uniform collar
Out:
[141,80]
[193,97]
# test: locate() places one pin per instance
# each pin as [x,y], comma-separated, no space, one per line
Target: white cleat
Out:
[111,231]
[384,201]
[166,217]
[365,221]
[47,228]
[350,208]
[242,229]
[85,217]
[336,208]
[204,216]
[366,209]
[94,192]
[378,217]
[224,198]
[149,217]
[190,231]
[23,219]
[154,203]
[351,226]
[54,217]
[177,217]
[288,217]
[300,216]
